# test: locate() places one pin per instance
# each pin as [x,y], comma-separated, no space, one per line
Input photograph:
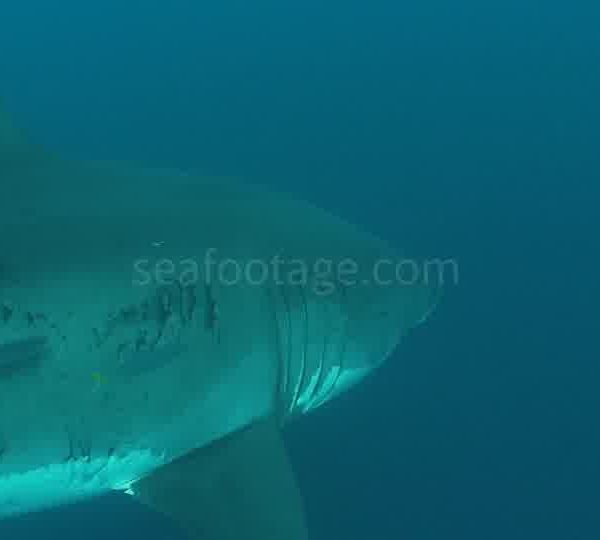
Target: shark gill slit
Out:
[286,339]
[322,366]
[304,350]
[343,343]
[281,361]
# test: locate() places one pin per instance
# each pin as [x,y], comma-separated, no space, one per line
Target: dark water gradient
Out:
[465,129]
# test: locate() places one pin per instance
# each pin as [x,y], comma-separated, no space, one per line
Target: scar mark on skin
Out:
[211,316]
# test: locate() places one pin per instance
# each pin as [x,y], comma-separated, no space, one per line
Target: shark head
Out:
[337,342]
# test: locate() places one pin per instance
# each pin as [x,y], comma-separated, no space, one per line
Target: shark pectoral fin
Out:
[241,488]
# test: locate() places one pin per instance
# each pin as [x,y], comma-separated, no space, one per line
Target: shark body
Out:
[157,330]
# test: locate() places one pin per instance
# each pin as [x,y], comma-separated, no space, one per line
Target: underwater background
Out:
[465,130]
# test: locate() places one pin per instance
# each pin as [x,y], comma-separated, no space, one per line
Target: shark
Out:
[159,330]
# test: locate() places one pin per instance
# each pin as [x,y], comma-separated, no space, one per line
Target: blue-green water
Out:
[461,129]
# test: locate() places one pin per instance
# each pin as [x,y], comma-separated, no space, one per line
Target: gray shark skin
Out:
[158,330]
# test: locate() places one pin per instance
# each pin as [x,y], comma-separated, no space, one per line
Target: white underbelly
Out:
[62,483]
[45,471]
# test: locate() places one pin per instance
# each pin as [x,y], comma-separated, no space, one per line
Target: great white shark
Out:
[158,330]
